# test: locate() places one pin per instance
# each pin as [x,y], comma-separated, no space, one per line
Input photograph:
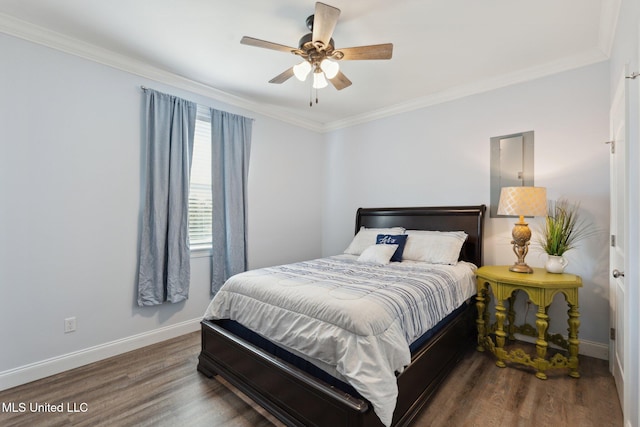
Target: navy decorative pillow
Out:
[389,239]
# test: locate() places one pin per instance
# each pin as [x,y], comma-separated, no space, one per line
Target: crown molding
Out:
[555,67]
[608,23]
[610,11]
[42,36]
[27,31]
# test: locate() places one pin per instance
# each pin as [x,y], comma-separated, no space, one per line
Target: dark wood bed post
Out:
[299,399]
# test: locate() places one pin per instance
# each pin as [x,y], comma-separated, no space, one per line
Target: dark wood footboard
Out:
[299,399]
[291,395]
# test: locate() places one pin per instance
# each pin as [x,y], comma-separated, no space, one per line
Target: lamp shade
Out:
[523,201]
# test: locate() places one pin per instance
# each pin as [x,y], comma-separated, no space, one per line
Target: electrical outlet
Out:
[69,324]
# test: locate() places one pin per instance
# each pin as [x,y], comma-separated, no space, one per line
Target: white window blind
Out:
[200,185]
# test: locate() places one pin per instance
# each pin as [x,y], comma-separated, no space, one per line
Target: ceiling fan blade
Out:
[374,51]
[265,44]
[340,81]
[282,77]
[324,22]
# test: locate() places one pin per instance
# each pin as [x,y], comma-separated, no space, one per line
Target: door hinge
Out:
[612,333]
[613,146]
[613,240]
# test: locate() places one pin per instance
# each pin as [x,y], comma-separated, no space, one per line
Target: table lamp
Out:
[522,201]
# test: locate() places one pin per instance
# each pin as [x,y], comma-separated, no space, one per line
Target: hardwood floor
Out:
[159,386]
[478,393]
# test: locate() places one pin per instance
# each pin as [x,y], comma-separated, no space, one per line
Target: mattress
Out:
[353,320]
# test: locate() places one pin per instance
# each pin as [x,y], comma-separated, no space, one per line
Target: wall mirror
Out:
[511,165]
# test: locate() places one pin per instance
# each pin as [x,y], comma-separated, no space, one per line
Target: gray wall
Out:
[70,178]
[441,156]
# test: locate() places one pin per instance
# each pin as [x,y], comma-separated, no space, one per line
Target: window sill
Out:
[201,251]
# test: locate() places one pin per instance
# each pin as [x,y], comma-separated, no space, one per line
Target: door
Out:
[618,216]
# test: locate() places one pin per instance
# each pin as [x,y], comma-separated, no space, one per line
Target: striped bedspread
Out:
[352,319]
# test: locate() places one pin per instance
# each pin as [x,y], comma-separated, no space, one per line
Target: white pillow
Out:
[378,254]
[435,247]
[367,237]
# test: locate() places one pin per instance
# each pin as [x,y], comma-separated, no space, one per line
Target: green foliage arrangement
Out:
[563,229]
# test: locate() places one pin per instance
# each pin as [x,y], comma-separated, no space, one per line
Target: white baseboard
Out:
[38,370]
[55,365]
[587,348]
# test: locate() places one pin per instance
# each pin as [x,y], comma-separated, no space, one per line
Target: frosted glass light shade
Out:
[302,70]
[319,81]
[330,68]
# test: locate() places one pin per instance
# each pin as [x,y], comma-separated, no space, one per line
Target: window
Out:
[200,185]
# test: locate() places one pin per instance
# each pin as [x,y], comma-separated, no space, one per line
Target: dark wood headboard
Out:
[469,219]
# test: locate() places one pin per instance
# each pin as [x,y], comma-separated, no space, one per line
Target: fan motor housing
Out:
[306,43]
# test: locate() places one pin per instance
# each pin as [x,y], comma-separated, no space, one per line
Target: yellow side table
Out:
[541,287]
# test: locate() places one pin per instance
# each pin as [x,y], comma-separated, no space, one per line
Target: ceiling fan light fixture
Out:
[319,80]
[330,68]
[302,70]
[316,47]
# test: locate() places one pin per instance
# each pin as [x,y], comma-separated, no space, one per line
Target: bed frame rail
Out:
[299,399]
[290,394]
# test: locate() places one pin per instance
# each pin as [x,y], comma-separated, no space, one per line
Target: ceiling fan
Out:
[317,49]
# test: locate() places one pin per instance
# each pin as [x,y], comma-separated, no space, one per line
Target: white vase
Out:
[555,264]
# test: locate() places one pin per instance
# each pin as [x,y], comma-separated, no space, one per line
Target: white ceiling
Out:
[443,49]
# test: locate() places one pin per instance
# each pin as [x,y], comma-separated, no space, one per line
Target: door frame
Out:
[631,409]
[632,268]
[619,220]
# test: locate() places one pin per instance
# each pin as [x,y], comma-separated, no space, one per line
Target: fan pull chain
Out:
[311,94]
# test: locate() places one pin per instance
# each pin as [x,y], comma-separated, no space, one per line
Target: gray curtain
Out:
[230,149]
[164,268]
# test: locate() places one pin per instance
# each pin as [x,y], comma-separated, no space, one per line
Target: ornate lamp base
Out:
[521,236]
[521,268]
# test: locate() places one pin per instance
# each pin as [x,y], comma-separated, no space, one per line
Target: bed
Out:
[299,396]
